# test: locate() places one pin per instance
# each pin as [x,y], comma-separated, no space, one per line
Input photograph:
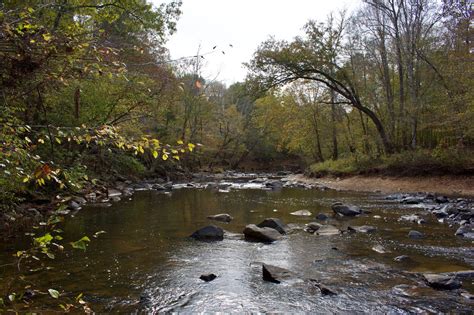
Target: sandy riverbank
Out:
[446,185]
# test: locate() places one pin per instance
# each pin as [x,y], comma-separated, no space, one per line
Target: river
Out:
[145,260]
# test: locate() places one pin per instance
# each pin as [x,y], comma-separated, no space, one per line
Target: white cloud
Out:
[244,24]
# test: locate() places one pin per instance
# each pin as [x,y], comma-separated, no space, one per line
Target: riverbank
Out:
[446,185]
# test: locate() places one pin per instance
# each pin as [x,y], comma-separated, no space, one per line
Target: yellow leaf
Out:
[47,37]
[180,142]
[155,154]
[174,151]
[88,138]
[176,157]
[140,148]
[26,179]
[58,140]
[191,147]
[164,157]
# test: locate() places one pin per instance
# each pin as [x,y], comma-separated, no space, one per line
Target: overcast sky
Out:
[244,24]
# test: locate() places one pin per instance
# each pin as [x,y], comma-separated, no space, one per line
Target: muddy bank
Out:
[446,185]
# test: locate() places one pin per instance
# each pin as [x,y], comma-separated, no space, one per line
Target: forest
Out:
[90,95]
[86,87]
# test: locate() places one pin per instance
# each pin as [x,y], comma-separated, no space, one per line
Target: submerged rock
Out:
[278,275]
[441,281]
[209,233]
[274,223]
[321,217]
[222,217]
[415,234]
[346,209]
[303,213]
[208,277]
[265,234]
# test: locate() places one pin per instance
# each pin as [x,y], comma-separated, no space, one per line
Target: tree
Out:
[312,58]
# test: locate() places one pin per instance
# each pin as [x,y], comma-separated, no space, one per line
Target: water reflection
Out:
[146,262]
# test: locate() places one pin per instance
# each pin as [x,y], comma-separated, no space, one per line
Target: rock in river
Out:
[265,234]
[441,281]
[274,223]
[313,227]
[362,229]
[346,209]
[321,217]
[208,277]
[209,233]
[415,234]
[328,230]
[276,274]
[402,258]
[303,213]
[412,218]
[466,231]
[222,217]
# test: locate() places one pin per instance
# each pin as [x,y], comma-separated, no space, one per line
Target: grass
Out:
[408,163]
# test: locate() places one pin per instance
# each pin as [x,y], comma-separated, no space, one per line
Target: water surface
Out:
[146,262]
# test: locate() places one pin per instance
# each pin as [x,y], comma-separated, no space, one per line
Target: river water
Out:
[146,262]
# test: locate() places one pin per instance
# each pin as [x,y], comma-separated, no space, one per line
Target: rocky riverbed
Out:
[264,243]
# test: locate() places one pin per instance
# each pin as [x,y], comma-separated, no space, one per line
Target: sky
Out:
[244,24]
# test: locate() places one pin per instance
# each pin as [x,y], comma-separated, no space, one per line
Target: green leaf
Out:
[43,240]
[54,293]
[81,244]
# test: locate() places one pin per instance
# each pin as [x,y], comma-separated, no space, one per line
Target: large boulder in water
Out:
[208,277]
[274,223]
[265,234]
[441,281]
[209,233]
[346,209]
[276,274]
[222,217]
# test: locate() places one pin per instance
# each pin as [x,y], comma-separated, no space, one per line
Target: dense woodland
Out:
[89,93]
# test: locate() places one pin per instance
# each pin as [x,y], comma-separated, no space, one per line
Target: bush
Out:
[125,165]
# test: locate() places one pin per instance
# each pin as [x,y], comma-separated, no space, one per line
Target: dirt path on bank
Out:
[446,185]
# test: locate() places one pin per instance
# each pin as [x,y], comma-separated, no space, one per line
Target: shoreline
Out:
[449,185]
